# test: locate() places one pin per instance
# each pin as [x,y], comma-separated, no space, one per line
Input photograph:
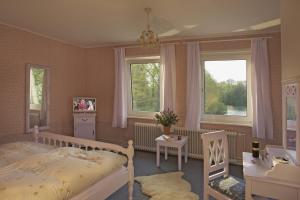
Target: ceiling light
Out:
[148,38]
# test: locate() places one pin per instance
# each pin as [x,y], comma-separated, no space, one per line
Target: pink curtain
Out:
[120,96]
[261,90]
[168,76]
[193,98]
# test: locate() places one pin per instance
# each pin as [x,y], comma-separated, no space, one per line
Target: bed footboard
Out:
[66,141]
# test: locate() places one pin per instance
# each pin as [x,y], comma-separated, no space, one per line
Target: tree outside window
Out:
[145,87]
[225,87]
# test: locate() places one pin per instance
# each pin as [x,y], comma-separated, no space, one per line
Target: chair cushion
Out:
[230,186]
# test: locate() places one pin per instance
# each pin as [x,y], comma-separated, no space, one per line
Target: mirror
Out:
[37,97]
[291,122]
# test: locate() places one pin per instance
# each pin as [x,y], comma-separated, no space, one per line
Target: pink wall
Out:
[101,84]
[90,72]
[17,48]
[290,28]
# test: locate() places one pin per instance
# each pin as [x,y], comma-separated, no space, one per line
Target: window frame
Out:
[139,60]
[227,55]
[28,67]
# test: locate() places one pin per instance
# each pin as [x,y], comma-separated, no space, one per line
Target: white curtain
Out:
[261,92]
[193,98]
[120,97]
[168,76]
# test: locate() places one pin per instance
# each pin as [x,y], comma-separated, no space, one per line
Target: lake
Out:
[237,111]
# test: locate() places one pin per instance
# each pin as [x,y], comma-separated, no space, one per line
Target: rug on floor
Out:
[168,186]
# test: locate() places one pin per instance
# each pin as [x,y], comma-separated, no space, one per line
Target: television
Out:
[84,104]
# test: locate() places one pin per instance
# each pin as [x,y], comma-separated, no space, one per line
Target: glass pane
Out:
[225,87]
[145,87]
[291,123]
[36,88]
[37,109]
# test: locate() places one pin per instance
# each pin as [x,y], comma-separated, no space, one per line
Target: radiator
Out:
[145,134]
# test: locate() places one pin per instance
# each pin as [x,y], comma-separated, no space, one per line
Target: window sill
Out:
[245,124]
[140,117]
[41,128]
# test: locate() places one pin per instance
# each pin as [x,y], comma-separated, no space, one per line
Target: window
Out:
[144,87]
[37,97]
[226,87]
[291,122]
[36,88]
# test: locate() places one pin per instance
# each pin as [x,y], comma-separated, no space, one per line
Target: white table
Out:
[173,142]
[259,180]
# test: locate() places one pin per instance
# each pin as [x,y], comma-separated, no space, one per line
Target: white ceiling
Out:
[101,22]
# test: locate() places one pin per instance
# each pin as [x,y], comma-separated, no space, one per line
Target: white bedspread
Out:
[56,175]
[12,152]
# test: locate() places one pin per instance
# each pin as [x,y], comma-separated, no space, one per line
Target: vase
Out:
[167,130]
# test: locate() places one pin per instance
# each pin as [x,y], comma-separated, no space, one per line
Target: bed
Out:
[45,168]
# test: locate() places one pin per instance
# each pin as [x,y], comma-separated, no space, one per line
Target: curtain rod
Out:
[227,40]
[202,41]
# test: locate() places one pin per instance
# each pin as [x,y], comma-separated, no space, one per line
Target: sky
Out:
[228,69]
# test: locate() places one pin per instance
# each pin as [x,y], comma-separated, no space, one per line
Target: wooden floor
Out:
[144,163]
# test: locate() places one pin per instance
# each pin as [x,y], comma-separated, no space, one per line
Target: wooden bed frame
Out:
[109,184]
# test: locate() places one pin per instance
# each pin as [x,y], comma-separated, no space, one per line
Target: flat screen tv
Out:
[84,104]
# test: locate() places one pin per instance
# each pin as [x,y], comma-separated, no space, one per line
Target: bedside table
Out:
[172,142]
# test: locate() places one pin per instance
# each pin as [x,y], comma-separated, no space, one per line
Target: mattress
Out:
[12,152]
[58,174]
